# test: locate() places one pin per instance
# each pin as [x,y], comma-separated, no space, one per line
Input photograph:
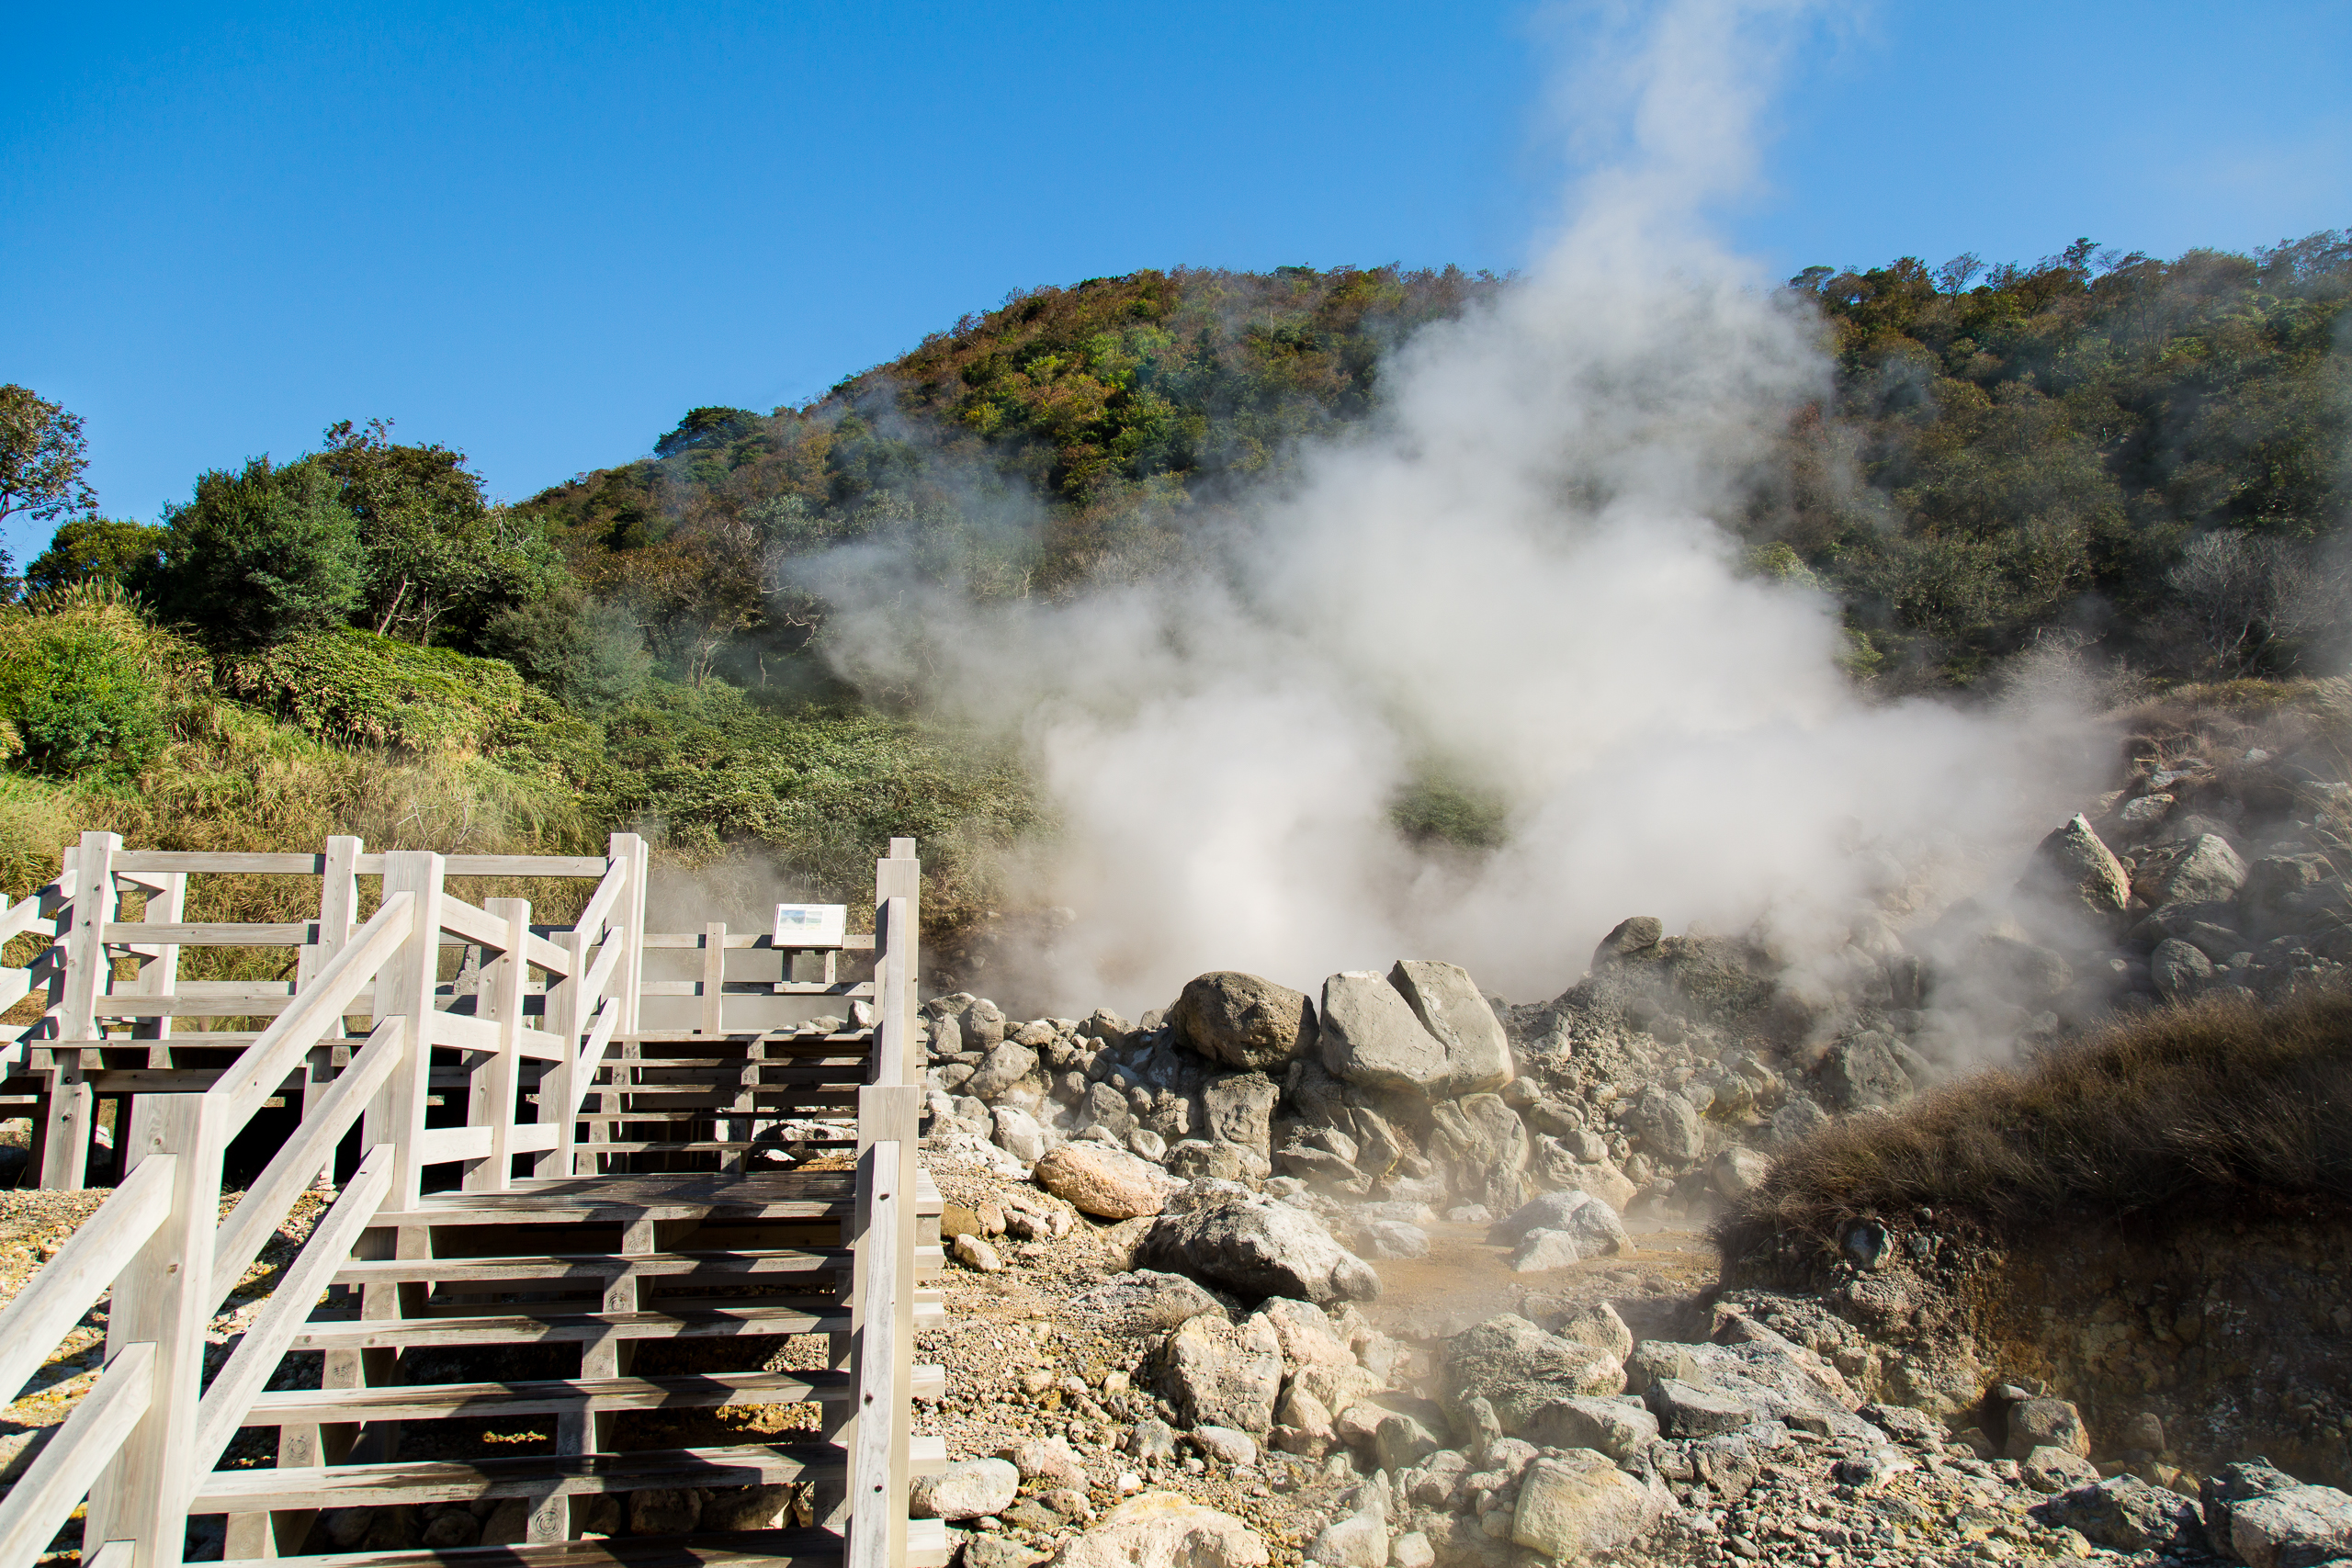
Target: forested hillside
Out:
[2147,458]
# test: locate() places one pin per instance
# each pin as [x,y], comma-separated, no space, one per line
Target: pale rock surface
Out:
[1371,1037]
[1225,1375]
[1580,1503]
[1104,1181]
[966,1489]
[1259,1247]
[1160,1529]
[1447,1002]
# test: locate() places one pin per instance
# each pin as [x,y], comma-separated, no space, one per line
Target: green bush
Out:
[79,693]
[355,688]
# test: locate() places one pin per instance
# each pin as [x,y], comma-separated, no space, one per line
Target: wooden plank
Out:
[55,1298]
[634,850]
[162,1297]
[159,973]
[323,1002]
[878,1507]
[812,1547]
[405,988]
[445,1401]
[218,862]
[564,1328]
[854,942]
[503,990]
[601,969]
[445,1481]
[43,1497]
[598,911]
[65,1140]
[215,933]
[263,1345]
[113,1554]
[713,978]
[559,1266]
[305,1152]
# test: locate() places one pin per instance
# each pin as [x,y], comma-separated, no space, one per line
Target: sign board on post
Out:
[810,925]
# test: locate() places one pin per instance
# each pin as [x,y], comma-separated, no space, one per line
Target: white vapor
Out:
[1513,573]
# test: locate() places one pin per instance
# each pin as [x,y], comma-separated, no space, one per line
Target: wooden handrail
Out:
[45,1495]
[304,1154]
[265,1343]
[877,1526]
[56,1299]
[323,1002]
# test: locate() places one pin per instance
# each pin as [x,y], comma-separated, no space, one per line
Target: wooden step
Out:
[609,1200]
[422,1402]
[927,1547]
[580,1328]
[533,1475]
[591,1265]
[564,1328]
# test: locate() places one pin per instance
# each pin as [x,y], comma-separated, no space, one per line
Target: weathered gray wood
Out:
[587,1266]
[477,1400]
[66,1141]
[312,1143]
[854,942]
[214,933]
[713,989]
[263,1345]
[443,1481]
[404,988]
[288,1039]
[162,1297]
[54,1298]
[43,1497]
[927,1547]
[633,849]
[877,1507]
[568,1328]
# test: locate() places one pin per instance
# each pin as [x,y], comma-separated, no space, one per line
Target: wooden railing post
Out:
[492,1098]
[164,1296]
[899,877]
[713,978]
[65,1143]
[628,981]
[404,989]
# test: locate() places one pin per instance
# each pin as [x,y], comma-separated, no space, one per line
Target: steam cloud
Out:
[1514,576]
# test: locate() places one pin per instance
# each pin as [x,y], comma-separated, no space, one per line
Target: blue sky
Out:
[540,234]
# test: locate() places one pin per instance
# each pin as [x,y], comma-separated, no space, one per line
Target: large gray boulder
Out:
[1595,1226]
[1004,1066]
[1371,1036]
[1669,1126]
[2126,1514]
[1240,1108]
[1225,1375]
[1446,1000]
[2076,865]
[1141,1302]
[2268,1520]
[1481,1146]
[2209,872]
[1244,1021]
[1574,1506]
[1862,1072]
[1769,1380]
[1518,1369]
[1257,1247]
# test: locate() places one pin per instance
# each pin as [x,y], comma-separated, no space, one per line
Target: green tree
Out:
[97,549]
[259,556]
[43,457]
[441,561]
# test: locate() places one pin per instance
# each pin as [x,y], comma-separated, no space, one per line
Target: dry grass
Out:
[2223,1096]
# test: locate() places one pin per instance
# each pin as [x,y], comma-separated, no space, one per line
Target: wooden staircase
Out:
[492,1304]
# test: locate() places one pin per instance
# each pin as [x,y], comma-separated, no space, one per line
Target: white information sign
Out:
[810,925]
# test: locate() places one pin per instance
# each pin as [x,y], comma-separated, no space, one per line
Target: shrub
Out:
[2224,1095]
[80,686]
[97,549]
[355,688]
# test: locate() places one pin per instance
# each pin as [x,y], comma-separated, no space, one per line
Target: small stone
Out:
[2038,1422]
[974,1252]
[1411,1549]
[1225,1445]
[1576,1505]
[1109,1183]
[2054,1469]
[966,1489]
[1540,1250]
